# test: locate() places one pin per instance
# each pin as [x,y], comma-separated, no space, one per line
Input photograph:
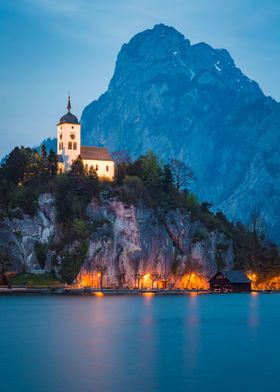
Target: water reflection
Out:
[139,343]
[193,331]
[253,313]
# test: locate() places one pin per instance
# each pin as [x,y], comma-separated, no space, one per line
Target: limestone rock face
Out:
[192,102]
[136,240]
[19,234]
[127,239]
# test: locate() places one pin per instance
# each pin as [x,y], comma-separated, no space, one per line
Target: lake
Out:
[142,343]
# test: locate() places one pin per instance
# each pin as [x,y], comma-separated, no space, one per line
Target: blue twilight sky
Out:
[48,47]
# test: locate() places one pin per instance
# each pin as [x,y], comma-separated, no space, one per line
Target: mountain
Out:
[192,102]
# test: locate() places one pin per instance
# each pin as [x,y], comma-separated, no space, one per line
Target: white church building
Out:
[69,148]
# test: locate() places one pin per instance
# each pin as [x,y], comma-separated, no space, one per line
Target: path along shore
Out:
[98,292]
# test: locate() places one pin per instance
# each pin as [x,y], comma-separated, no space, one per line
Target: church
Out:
[69,148]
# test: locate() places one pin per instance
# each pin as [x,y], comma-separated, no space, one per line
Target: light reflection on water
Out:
[139,343]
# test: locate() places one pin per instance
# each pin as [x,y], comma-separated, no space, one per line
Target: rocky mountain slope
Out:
[191,102]
[128,240]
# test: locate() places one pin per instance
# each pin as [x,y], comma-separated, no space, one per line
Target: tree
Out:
[120,278]
[205,207]
[192,267]
[167,178]
[151,171]
[182,174]
[15,165]
[102,270]
[77,168]
[5,263]
[138,276]
[52,164]
[256,225]
[155,277]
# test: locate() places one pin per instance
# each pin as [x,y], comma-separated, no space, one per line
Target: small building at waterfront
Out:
[230,281]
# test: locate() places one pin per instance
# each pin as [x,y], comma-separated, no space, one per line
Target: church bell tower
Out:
[68,138]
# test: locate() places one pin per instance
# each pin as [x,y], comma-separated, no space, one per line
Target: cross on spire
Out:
[69,103]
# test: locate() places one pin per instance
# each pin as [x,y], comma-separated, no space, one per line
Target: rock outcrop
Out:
[127,239]
[19,233]
[191,102]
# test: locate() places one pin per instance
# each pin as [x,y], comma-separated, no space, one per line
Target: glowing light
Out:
[146,276]
[254,293]
[148,294]
[99,274]
[99,294]
[192,275]
[193,294]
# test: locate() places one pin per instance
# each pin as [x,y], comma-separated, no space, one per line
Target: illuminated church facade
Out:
[69,148]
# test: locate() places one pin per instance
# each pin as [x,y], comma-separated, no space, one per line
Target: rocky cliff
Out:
[127,239]
[192,102]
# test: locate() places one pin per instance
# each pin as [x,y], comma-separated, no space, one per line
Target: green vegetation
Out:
[26,174]
[36,281]
[72,263]
[5,265]
[41,253]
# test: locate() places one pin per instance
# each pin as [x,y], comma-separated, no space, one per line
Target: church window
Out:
[72,127]
[70,145]
[107,168]
[72,136]
[61,127]
[60,136]
[96,167]
[62,145]
[74,146]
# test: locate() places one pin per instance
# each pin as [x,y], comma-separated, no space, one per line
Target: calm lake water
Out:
[130,343]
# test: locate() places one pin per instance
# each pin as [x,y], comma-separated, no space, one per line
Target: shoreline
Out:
[114,292]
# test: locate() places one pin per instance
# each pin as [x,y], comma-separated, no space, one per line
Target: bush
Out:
[41,250]
[72,263]
[25,198]
[34,280]
[80,228]
[72,195]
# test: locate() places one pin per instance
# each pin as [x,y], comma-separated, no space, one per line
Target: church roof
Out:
[95,153]
[68,118]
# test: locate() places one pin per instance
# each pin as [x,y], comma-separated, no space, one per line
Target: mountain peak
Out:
[192,102]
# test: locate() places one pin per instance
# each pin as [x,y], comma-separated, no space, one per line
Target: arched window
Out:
[62,146]
[96,167]
[74,146]
[59,146]
[70,145]
[91,168]
[60,136]
[107,168]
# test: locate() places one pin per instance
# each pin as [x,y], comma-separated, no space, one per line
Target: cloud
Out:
[57,7]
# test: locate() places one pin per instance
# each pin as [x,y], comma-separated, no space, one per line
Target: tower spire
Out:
[69,103]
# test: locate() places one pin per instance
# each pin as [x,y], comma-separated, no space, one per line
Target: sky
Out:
[48,47]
